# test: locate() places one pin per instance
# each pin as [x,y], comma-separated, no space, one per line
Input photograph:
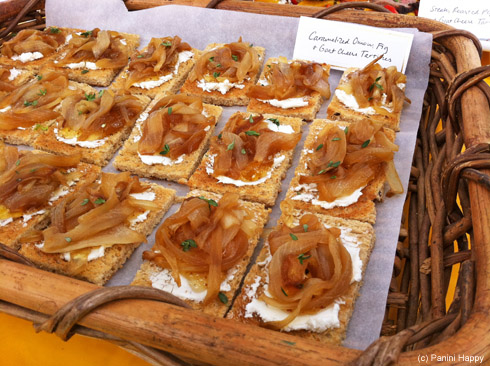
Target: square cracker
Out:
[232,97]
[307,112]
[13,231]
[216,308]
[36,65]
[361,234]
[98,77]
[364,209]
[170,86]
[265,192]
[99,155]
[339,111]
[101,269]
[129,160]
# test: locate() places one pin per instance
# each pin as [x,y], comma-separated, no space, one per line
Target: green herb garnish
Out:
[289,343]
[41,127]
[231,146]
[166,43]
[209,201]
[321,171]
[234,57]
[243,151]
[252,133]
[99,201]
[188,244]
[139,56]
[86,34]
[284,292]
[42,92]
[319,147]
[333,165]
[33,103]
[101,93]
[39,77]
[54,30]
[365,143]
[305,227]
[220,136]
[211,59]
[84,202]
[90,96]
[376,84]
[251,119]
[275,121]
[336,139]
[166,150]
[294,237]
[17,162]
[169,111]
[85,71]
[346,130]
[302,257]
[333,177]
[32,170]
[216,74]
[223,298]
[68,239]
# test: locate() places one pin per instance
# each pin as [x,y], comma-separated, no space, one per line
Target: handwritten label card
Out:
[345,45]
[470,15]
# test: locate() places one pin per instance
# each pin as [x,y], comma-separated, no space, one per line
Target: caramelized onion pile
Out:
[375,86]
[99,115]
[34,102]
[175,126]
[96,216]
[290,80]
[342,163]
[245,149]
[205,237]
[30,40]
[27,180]
[309,269]
[102,47]
[233,62]
[162,54]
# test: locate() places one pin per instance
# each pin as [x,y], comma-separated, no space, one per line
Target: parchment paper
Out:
[200,27]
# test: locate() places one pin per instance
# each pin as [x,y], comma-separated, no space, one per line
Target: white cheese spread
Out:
[223,87]
[28,56]
[160,159]
[350,102]
[74,141]
[239,183]
[281,128]
[163,280]
[83,65]
[286,103]
[309,193]
[14,73]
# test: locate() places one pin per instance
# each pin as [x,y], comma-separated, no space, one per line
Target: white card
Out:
[345,45]
[470,15]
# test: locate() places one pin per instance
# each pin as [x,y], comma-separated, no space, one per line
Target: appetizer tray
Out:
[166,334]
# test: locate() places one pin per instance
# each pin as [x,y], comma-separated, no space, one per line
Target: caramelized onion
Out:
[6,85]
[233,62]
[205,237]
[34,102]
[98,116]
[161,56]
[28,180]
[341,164]
[309,269]
[30,40]
[291,80]
[246,148]
[377,87]
[97,216]
[102,47]
[175,126]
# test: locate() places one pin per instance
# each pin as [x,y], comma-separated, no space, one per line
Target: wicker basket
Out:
[438,234]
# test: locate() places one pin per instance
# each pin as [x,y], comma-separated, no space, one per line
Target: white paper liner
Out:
[199,27]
